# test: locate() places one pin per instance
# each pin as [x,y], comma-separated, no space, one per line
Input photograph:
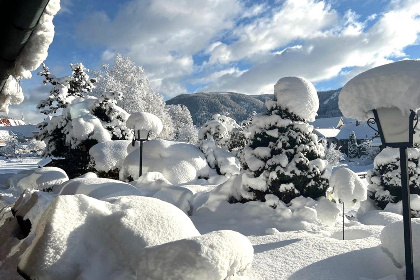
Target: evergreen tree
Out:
[137,94]
[184,129]
[352,148]
[385,179]
[84,120]
[282,158]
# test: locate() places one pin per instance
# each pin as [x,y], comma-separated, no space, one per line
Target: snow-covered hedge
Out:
[40,178]
[385,179]
[179,162]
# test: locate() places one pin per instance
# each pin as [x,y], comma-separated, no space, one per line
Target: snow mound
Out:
[154,184]
[79,237]
[378,217]
[327,212]
[110,155]
[179,162]
[216,255]
[348,188]
[298,95]
[392,85]
[40,178]
[99,188]
[392,239]
[146,121]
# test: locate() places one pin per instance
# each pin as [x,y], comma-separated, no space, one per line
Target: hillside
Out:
[240,106]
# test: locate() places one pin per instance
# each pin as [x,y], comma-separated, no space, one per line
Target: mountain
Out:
[240,106]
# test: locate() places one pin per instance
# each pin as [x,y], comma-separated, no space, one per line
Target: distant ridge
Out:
[240,106]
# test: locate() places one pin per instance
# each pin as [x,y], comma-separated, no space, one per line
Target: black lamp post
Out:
[143,135]
[396,130]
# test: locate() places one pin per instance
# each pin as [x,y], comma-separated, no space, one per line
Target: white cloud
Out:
[324,55]
[161,35]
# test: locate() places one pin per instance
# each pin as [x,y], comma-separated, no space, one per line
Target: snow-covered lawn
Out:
[295,248]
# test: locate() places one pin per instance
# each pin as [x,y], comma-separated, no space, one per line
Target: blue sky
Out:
[230,45]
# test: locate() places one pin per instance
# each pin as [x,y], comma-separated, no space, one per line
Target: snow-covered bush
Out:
[179,162]
[84,121]
[283,155]
[12,146]
[218,129]
[352,148]
[184,129]
[224,162]
[332,153]
[392,239]
[346,187]
[126,77]
[40,179]
[385,179]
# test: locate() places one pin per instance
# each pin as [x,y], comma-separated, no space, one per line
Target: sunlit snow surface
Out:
[285,246]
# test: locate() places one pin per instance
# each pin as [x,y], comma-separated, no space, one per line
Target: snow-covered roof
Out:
[298,95]
[326,132]
[327,122]
[362,131]
[391,85]
[22,131]
[10,122]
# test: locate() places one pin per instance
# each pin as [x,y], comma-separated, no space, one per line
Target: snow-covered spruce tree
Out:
[137,94]
[84,121]
[352,148]
[385,179]
[184,129]
[283,156]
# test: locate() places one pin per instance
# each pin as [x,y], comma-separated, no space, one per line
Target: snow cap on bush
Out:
[391,85]
[347,187]
[147,121]
[298,95]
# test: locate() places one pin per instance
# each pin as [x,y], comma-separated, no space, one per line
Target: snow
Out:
[298,95]
[362,131]
[145,121]
[392,85]
[179,162]
[99,188]
[114,233]
[216,255]
[40,178]
[392,240]
[11,94]
[110,154]
[327,132]
[347,187]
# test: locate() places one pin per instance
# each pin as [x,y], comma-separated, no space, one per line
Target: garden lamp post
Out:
[142,135]
[396,130]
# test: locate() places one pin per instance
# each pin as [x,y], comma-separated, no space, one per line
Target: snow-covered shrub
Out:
[79,237]
[12,146]
[224,162]
[84,121]
[385,179]
[108,157]
[283,155]
[221,255]
[218,129]
[99,188]
[346,187]
[126,77]
[184,129]
[332,153]
[367,150]
[179,162]
[352,148]
[392,239]
[40,179]
[36,147]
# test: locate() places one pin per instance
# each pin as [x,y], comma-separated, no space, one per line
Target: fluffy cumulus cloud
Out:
[161,35]
[246,46]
